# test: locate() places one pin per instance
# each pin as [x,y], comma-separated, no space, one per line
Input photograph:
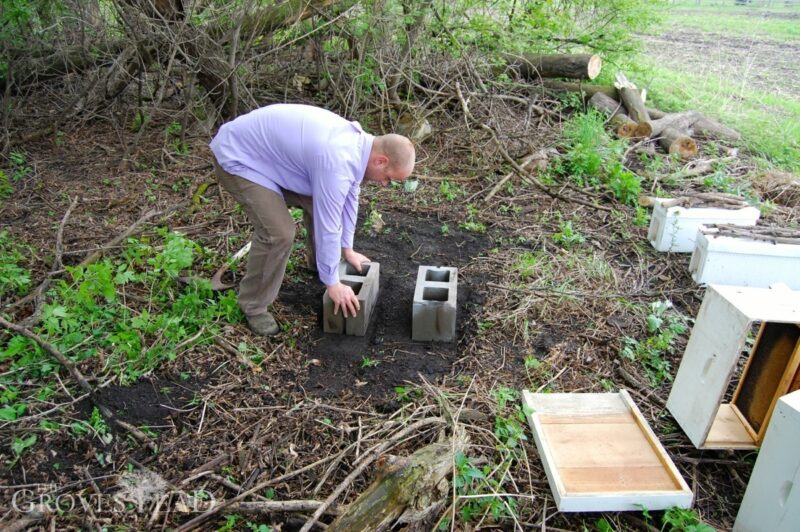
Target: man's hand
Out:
[354,259]
[343,297]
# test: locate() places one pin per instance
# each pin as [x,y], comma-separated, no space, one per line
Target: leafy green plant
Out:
[664,326]
[14,279]
[367,362]
[449,191]
[20,445]
[683,520]
[567,236]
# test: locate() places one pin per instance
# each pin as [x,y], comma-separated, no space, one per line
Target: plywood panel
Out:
[584,480]
[600,455]
[728,432]
[600,444]
[765,370]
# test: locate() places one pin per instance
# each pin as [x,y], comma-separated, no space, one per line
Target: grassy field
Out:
[727,18]
[734,63]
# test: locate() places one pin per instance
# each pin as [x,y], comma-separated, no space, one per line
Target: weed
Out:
[450,192]
[664,326]
[174,133]
[567,236]
[471,224]
[374,222]
[682,520]
[367,362]
[405,394]
[20,445]
[444,229]
[14,279]
[527,263]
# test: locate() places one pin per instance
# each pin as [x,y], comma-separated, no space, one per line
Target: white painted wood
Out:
[772,499]
[741,261]
[675,228]
[554,442]
[715,345]
[710,358]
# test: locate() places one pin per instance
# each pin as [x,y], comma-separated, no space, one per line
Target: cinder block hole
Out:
[355,286]
[351,270]
[440,276]
[434,294]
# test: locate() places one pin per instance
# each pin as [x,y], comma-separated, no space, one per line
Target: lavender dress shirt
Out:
[309,151]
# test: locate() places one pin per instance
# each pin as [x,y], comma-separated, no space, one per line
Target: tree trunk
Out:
[704,126]
[707,127]
[632,99]
[623,126]
[679,121]
[673,141]
[403,489]
[587,90]
[574,66]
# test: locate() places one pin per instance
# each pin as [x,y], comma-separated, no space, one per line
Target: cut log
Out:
[680,121]
[707,127]
[632,99]
[408,488]
[703,126]
[573,66]
[587,90]
[675,142]
[623,126]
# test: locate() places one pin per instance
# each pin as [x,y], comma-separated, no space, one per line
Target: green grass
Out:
[769,123]
[730,19]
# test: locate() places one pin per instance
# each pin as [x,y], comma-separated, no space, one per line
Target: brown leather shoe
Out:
[263,324]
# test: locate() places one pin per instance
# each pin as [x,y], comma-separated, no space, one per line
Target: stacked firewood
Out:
[623,103]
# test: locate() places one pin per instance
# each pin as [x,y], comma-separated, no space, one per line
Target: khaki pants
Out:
[273,234]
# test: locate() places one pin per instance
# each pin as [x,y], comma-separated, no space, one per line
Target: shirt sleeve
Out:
[329,191]
[350,215]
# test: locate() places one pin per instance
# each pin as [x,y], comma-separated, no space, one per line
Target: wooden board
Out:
[600,455]
[728,431]
[769,373]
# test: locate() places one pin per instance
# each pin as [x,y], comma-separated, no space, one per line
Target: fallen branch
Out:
[133,229]
[527,177]
[407,487]
[534,156]
[366,462]
[38,293]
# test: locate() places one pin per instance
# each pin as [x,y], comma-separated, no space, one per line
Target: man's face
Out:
[381,173]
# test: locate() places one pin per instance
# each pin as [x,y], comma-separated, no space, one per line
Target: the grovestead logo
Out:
[138,491]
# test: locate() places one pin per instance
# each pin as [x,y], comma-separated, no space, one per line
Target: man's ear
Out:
[382,160]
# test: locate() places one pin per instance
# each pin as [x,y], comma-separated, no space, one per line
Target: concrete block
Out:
[772,499]
[366,286]
[434,307]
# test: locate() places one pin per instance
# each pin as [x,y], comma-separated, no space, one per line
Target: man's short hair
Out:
[398,149]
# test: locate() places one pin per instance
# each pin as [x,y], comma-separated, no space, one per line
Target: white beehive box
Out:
[772,499]
[600,455]
[742,261]
[675,228]
[727,316]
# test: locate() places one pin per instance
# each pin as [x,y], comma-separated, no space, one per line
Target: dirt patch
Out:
[386,356]
[154,403]
[754,63]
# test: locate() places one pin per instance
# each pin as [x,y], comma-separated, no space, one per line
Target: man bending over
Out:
[302,156]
